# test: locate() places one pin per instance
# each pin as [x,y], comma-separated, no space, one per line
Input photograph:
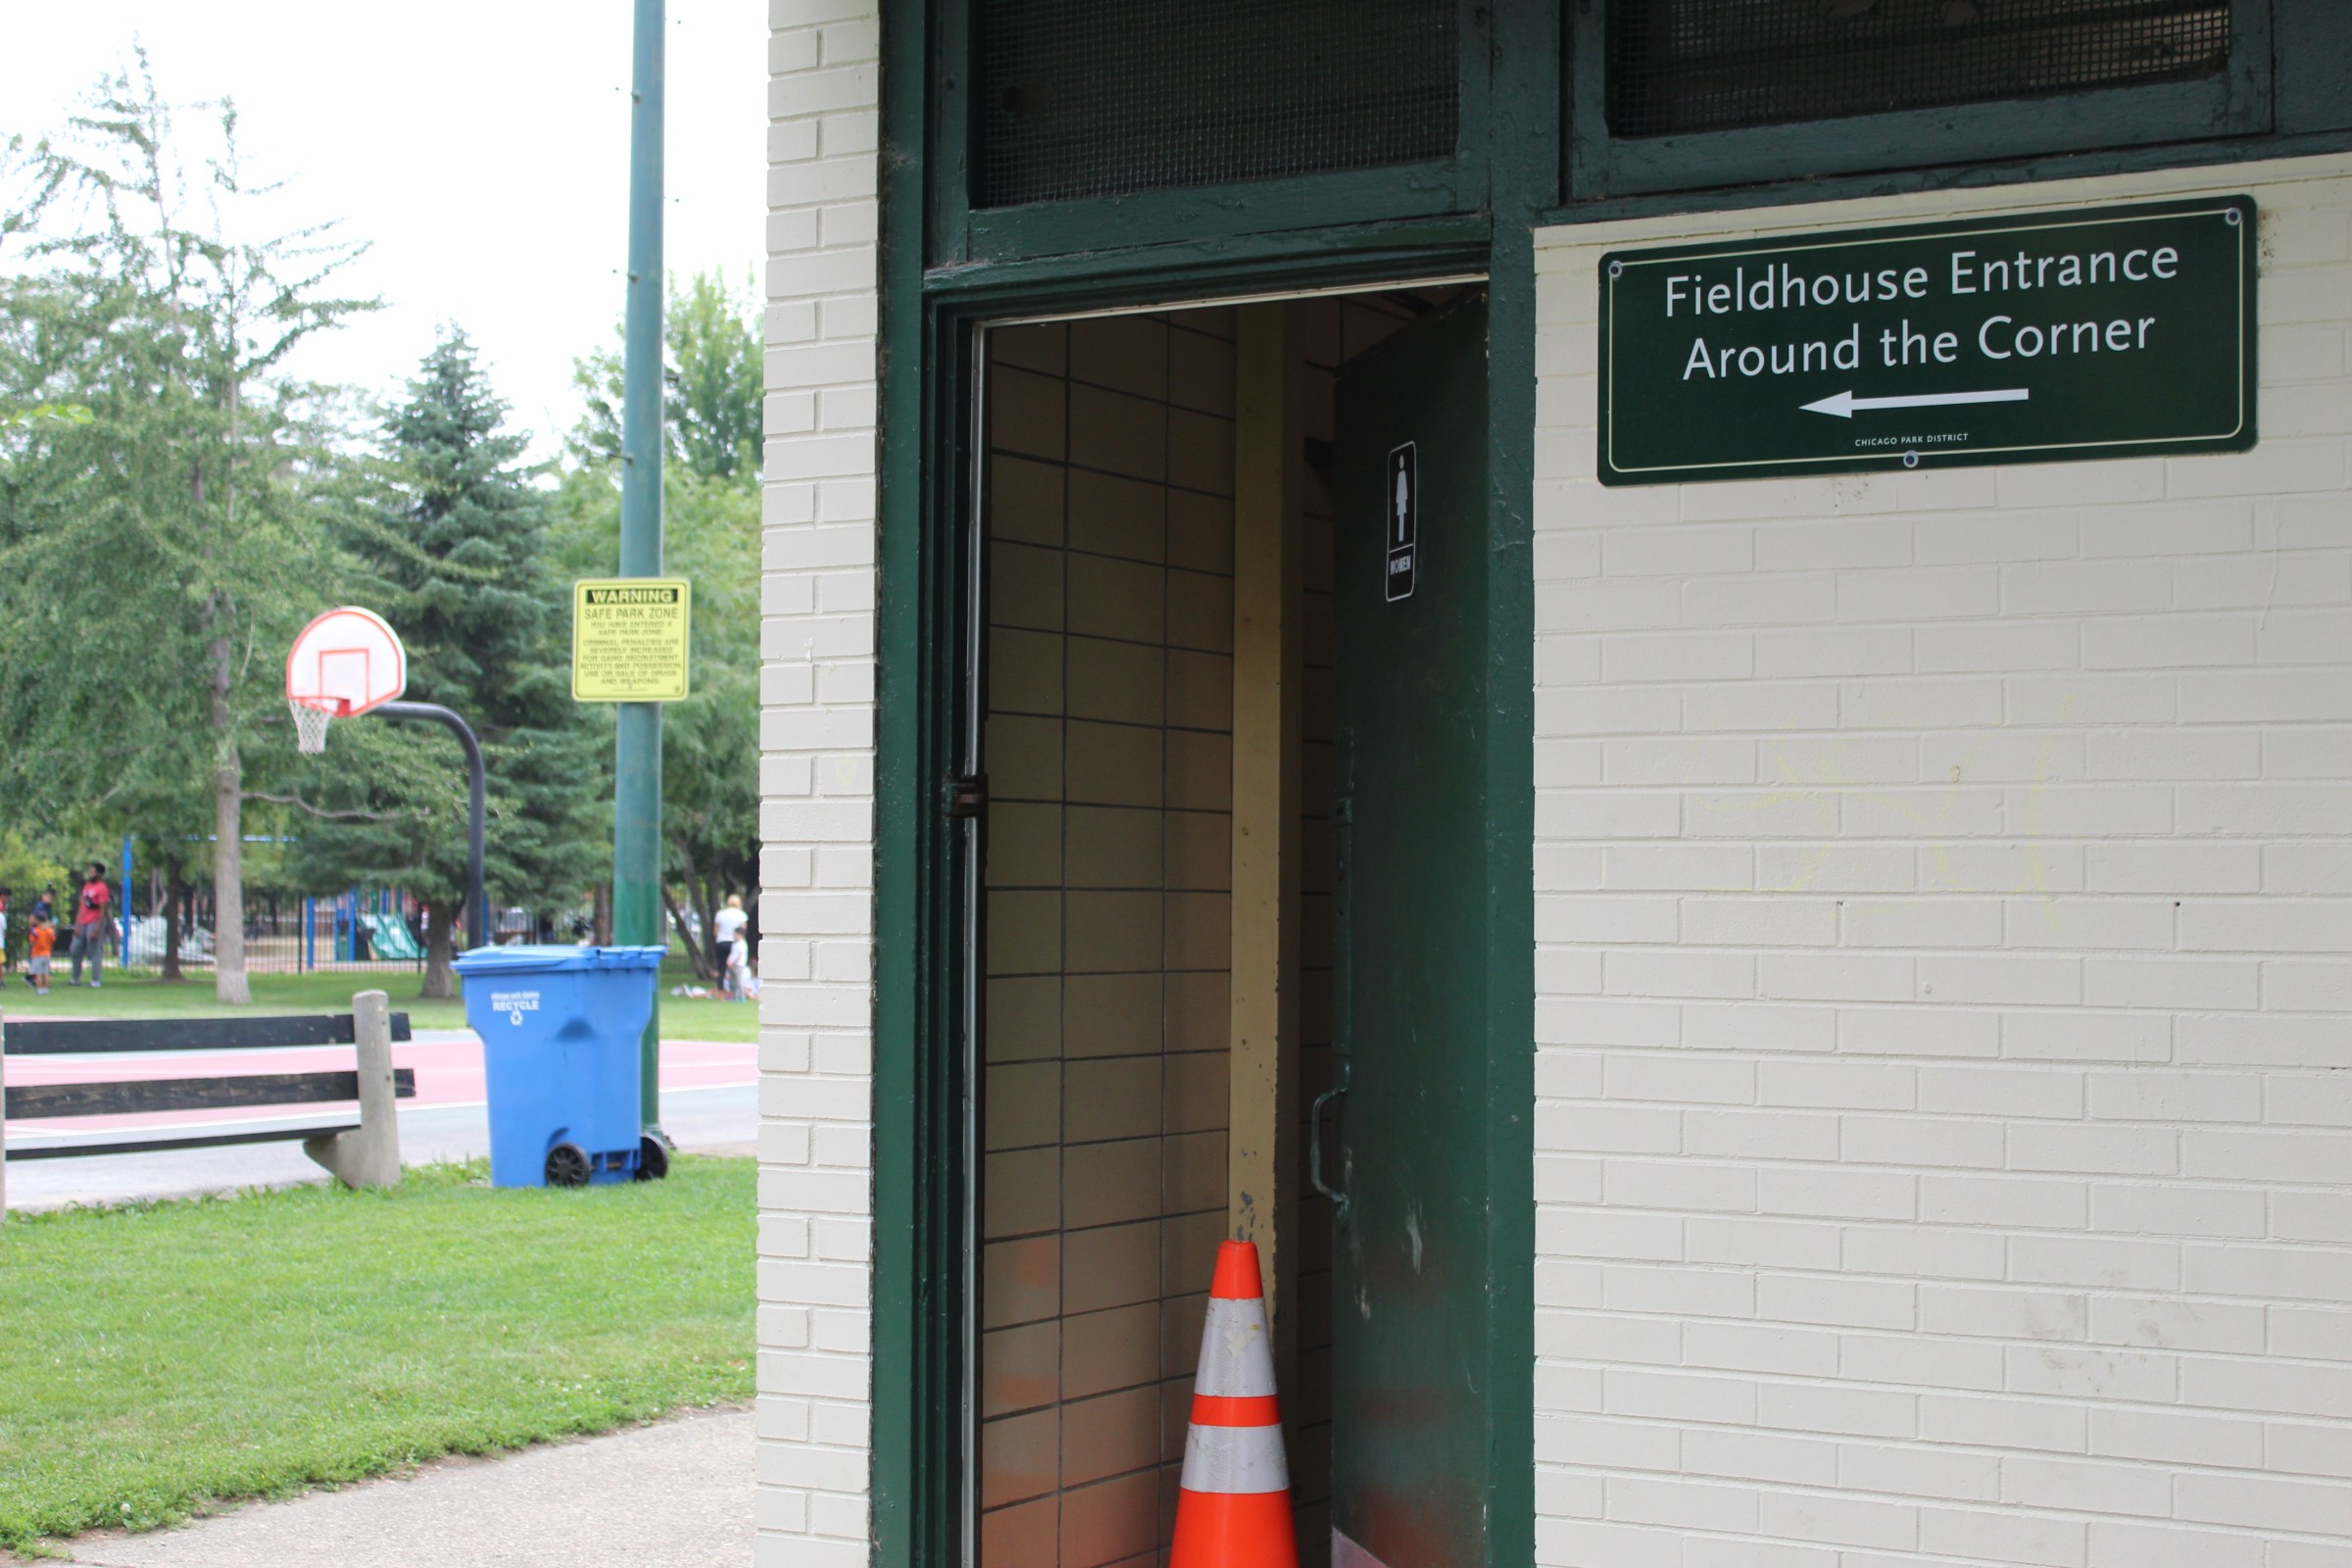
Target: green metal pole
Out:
[637,744]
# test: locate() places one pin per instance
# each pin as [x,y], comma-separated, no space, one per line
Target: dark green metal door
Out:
[1413,1390]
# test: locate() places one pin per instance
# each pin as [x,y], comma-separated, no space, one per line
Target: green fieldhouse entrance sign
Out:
[2112,332]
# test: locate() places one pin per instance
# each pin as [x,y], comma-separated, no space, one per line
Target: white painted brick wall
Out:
[816,786]
[1944,909]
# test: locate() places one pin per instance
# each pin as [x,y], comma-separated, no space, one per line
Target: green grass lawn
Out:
[159,1357]
[137,994]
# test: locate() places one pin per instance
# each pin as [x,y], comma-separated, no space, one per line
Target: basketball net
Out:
[310,726]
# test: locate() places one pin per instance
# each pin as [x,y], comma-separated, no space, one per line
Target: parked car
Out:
[147,937]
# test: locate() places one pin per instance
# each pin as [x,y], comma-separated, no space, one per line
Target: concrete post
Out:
[369,1155]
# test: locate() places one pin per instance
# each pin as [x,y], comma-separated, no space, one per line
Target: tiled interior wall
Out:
[1109,761]
[1108,752]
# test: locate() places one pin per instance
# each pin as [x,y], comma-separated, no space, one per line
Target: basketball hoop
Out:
[341,665]
[348,663]
[310,726]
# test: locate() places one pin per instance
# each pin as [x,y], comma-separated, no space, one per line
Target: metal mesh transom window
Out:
[1718,64]
[1080,98]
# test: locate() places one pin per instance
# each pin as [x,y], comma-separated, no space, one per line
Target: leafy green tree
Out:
[712,383]
[22,417]
[155,558]
[25,870]
[28,867]
[456,556]
[710,742]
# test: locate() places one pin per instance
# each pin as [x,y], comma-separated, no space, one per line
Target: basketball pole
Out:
[477,811]
[637,727]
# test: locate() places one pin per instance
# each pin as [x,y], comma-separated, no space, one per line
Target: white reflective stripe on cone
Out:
[1234,1459]
[1235,1360]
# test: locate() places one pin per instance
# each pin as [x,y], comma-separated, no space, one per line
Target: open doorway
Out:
[1234,631]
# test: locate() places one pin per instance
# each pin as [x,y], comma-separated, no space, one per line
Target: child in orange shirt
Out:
[37,968]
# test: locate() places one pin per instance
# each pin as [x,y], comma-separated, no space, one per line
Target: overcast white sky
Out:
[481,145]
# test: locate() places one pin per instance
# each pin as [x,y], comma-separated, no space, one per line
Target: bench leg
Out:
[369,1155]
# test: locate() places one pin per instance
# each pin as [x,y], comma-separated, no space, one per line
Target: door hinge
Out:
[962,795]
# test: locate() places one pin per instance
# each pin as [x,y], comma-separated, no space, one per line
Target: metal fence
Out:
[356,932]
[362,931]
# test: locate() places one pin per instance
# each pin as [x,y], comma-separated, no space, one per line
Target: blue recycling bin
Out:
[559,1029]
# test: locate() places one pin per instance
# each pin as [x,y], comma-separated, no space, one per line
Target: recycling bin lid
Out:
[549,958]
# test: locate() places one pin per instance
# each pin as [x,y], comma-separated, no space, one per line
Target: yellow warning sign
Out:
[629,639]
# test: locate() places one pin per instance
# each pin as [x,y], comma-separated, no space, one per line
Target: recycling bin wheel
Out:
[652,1158]
[568,1166]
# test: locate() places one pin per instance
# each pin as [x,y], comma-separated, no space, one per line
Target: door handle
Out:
[1314,1145]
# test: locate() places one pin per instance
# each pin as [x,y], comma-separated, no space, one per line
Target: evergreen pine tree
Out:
[458,551]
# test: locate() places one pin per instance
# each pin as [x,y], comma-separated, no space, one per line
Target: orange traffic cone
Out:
[1234,1510]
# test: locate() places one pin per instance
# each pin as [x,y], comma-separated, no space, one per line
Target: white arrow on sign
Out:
[1845,403]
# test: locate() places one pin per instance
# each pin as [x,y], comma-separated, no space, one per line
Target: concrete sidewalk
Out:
[676,1494]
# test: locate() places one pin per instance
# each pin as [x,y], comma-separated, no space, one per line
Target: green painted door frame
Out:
[923,1019]
[927,657]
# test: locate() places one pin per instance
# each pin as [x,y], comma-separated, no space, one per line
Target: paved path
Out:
[677,1494]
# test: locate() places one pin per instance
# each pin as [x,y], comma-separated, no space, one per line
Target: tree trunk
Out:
[439,948]
[677,918]
[228,843]
[706,892]
[175,918]
[707,911]
[230,984]
[709,962]
[601,931]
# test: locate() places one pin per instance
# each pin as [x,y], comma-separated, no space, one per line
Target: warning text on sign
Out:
[630,637]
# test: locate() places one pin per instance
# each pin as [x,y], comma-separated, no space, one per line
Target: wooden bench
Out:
[364,1152]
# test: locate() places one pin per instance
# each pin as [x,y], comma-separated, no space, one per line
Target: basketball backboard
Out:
[343,664]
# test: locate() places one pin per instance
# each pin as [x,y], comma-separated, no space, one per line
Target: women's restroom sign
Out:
[1404,493]
[2119,331]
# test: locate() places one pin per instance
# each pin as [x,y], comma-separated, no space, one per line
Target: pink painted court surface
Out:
[447,1064]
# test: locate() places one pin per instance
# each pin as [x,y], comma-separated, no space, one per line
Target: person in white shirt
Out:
[735,956]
